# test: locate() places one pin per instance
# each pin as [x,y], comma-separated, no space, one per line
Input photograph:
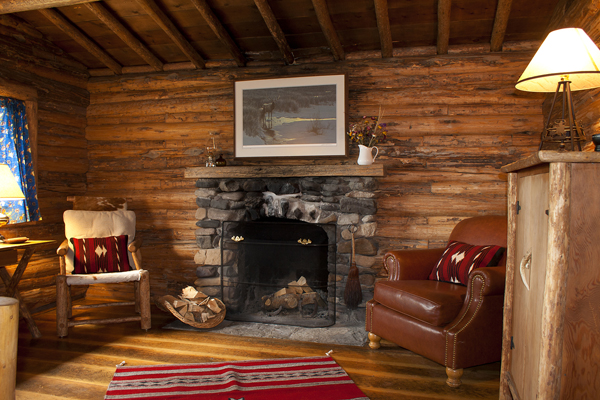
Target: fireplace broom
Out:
[353,292]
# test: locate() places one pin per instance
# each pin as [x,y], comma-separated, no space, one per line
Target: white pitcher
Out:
[365,154]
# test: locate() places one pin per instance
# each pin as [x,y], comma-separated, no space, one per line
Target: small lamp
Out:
[567,60]
[9,190]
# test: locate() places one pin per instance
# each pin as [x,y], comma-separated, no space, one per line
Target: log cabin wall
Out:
[31,65]
[453,121]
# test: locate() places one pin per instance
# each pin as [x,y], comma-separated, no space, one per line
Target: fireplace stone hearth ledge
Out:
[343,195]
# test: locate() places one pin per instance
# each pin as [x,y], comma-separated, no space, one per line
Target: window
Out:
[18,147]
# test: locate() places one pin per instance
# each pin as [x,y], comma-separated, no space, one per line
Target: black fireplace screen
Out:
[279,271]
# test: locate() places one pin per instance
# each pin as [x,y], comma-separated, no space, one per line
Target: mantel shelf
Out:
[284,171]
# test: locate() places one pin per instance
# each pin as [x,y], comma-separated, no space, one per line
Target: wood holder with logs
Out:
[194,308]
[296,295]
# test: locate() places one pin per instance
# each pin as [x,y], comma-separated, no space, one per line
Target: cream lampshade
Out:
[567,60]
[9,190]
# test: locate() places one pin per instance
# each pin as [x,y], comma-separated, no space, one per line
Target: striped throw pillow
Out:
[459,259]
[98,255]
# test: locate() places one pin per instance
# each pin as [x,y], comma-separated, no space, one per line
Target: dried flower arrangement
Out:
[368,131]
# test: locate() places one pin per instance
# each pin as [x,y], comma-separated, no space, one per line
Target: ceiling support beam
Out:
[500,23]
[383,24]
[124,34]
[328,29]
[12,6]
[267,13]
[443,34]
[67,27]
[213,21]
[152,9]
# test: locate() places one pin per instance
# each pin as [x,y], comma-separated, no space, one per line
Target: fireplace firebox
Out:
[278,270]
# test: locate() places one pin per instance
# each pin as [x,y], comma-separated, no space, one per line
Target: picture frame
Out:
[303,116]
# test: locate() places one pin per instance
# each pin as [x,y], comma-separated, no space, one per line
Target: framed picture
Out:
[291,117]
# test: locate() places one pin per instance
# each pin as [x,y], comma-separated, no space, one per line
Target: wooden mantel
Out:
[284,171]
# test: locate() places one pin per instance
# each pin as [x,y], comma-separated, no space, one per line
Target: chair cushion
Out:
[459,259]
[116,277]
[435,303]
[97,224]
[98,255]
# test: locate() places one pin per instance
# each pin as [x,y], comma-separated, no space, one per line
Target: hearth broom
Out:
[353,292]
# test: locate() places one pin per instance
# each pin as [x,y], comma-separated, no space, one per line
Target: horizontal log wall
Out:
[453,122]
[30,62]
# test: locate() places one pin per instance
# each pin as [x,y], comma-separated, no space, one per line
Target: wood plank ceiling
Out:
[117,36]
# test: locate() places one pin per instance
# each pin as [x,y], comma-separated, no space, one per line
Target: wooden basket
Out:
[211,323]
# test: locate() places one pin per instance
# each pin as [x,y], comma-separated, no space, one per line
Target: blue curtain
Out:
[15,151]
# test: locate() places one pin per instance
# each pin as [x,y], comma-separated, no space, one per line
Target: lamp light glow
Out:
[567,54]
[568,60]
[9,190]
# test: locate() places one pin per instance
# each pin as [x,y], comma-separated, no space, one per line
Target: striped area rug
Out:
[307,378]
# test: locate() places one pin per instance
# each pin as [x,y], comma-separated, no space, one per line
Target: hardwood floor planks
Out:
[82,365]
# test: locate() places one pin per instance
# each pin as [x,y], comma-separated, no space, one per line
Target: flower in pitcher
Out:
[368,131]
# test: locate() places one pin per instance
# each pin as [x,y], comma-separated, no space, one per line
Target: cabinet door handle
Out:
[525,264]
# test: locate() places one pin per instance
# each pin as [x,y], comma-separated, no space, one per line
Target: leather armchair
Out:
[454,325]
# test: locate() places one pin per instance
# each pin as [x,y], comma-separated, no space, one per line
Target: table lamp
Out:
[567,60]
[9,190]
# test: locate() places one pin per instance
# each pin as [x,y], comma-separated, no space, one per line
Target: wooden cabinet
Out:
[551,344]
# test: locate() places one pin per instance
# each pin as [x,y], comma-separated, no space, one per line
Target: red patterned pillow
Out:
[459,259]
[97,255]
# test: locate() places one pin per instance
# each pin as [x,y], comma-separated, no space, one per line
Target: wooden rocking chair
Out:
[100,236]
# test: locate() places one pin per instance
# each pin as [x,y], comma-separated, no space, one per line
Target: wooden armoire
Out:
[551,343]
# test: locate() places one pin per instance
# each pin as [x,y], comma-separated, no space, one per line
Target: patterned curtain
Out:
[15,151]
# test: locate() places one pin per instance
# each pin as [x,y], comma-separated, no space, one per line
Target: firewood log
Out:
[288,301]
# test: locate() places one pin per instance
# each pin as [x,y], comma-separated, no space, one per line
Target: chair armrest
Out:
[136,253]
[135,245]
[63,248]
[494,278]
[475,335]
[411,264]
[62,253]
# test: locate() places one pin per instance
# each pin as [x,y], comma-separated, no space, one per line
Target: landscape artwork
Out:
[299,117]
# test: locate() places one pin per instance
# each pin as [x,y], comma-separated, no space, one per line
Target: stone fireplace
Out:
[283,271]
[336,197]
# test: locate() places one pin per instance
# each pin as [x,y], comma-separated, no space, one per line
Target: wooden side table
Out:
[8,256]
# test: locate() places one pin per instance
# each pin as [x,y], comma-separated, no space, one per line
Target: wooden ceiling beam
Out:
[124,34]
[267,13]
[217,27]
[385,32]
[443,34]
[152,9]
[328,29]
[500,24]
[67,27]
[12,6]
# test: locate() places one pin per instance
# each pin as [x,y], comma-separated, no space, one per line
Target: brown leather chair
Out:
[457,326]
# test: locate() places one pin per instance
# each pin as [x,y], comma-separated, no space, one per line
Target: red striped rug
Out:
[310,378]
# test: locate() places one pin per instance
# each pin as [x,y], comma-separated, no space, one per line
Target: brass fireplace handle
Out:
[304,241]
[237,238]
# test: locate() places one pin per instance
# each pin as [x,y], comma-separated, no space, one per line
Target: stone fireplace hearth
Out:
[341,201]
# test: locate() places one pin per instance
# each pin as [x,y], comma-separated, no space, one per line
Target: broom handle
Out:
[352,230]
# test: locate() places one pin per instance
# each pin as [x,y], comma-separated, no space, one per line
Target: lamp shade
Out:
[567,54]
[9,189]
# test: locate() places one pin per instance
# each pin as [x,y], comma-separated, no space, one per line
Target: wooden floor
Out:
[82,365]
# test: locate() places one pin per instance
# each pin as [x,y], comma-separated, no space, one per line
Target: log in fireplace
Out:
[278,270]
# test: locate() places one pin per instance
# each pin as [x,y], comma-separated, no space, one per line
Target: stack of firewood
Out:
[194,307]
[297,293]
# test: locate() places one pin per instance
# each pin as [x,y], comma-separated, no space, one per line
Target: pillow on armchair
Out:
[97,224]
[459,259]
